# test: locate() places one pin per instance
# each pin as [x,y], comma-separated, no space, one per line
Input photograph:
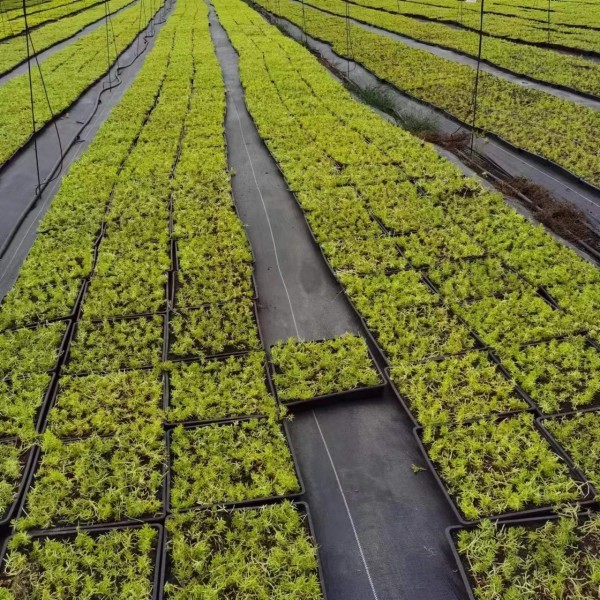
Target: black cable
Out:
[476,87]
[31,98]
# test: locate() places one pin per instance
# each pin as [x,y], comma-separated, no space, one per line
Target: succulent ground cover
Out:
[476,278]
[219,389]
[250,553]
[96,480]
[21,401]
[556,559]
[230,462]
[106,404]
[111,345]
[364,256]
[455,389]
[214,329]
[493,467]
[32,350]
[559,375]
[11,471]
[306,370]
[116,564]
[579,436]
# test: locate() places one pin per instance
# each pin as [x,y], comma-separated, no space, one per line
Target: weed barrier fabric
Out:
[518,163]
[18,178]
[380,527]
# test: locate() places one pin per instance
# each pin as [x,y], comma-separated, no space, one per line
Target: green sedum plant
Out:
[244,554]
[11,473]
[579,436]
[96,480]
[35,350]
[214,329]
[114,565]
[21,400]
[364,256]
[106,404]
[306,370]
[219,389]
[111,345]
[373,294]
[515,319]
[476,278]
[230,462]
[493,467]
[559,375]
[556,559]
[455,389]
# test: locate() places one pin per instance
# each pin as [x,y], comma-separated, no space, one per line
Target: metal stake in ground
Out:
[476,87]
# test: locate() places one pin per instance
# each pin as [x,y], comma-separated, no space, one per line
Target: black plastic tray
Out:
[346,395]
[587,500]
[517,390]
[73,531]
[167,395]
[27,458]
[165,561]
[37,455]
[452,532]
[558,447]
[169,336]
[73,335]
[235,503]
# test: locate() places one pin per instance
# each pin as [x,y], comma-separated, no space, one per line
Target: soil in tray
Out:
[106,404]
[30,350]
[494,467]
[116,344]
[578,435]
[266,552]
[214,329]
[532,560]
[313,369]
[212,390]
[559,375]
[231,462]
[97,480]
[455,389]
[108,564]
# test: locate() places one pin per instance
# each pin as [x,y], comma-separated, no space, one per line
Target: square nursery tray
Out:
[345,395]
[557,447]
[234,503]
[463,569]
[27,459]
[73,336]
[36,458]
[165,562]
[196,422]
[540,511]
[71,533]
[493,360]
[232,351]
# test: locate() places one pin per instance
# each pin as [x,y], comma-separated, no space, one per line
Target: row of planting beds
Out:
[559,131]
[476,346]
[160,410]
[66,75]
[547,65]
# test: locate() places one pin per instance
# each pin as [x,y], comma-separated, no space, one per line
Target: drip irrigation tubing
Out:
[56,169]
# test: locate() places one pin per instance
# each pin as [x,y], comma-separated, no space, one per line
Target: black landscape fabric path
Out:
[380,526]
